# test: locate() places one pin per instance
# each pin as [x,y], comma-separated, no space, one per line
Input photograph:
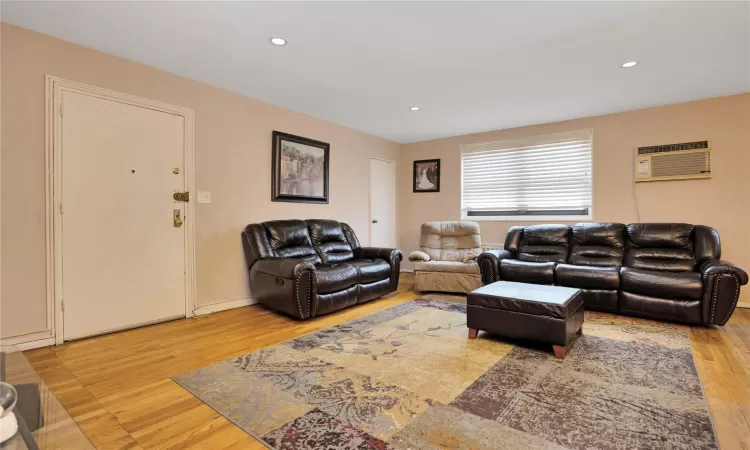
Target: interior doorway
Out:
[122,240]
[382,203]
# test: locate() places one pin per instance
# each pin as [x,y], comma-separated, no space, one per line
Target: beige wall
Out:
[232,152]
[232,159]
[722,201]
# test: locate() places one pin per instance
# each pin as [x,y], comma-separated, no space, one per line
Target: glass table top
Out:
[43,423]
[531,292]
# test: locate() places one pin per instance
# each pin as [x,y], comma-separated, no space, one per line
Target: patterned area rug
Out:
[408,378]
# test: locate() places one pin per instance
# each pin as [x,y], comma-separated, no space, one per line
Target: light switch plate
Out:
[204,197]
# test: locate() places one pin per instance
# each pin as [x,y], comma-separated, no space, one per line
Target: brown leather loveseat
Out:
[668,271]
[306,268]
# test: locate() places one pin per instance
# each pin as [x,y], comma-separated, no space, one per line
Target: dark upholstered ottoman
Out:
[551,314]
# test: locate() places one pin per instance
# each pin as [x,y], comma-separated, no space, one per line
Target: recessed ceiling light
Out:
[414,108]
[278,41]
[629,64]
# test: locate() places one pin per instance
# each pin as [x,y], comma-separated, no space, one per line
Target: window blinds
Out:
[539,176]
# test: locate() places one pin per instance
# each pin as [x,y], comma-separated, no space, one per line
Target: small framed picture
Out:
[300,169]
[427,175]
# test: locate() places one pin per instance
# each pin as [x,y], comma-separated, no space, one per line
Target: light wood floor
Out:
[118,387]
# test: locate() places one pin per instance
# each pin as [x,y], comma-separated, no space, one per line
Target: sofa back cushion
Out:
[544,243]
[450,241]
[291,239]
[597,244]
[660,246]
[351,237]
[330,241]
[706,244]
[255,244]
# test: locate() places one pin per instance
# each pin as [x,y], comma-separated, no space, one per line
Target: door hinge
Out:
[62,210]
[62,109]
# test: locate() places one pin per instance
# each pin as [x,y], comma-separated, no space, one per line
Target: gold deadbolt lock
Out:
[177,218]
[181,196]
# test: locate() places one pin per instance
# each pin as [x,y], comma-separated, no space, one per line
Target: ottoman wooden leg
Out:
[473,333]
[559,351]
[580,331]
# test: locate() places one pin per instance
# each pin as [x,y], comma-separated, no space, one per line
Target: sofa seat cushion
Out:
[335,277]
[446,266]
[673,285]
[587,277]
[371,270]
[527,272]
[685,311]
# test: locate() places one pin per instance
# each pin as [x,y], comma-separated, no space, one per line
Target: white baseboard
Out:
[23,339]
[43,339]
[743,305]
[407,270]
[223,306]
[30,341]
[49,342]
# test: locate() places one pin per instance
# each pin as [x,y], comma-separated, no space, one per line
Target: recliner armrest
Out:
[392,255]
[489,264]
[288,268]
[721,290]
[419,256]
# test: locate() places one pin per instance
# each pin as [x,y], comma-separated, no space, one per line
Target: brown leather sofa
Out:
[314,267]
[667,271]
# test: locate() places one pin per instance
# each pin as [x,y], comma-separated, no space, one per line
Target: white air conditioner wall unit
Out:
[673,162]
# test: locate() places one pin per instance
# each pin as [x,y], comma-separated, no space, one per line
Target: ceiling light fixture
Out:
[629,64]
[414,108]
[278,41]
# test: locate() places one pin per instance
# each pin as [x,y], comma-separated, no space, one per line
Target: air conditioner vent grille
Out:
[697,145]
[680,164]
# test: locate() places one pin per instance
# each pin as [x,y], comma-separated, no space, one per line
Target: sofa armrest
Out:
[288,268]
[489,264]
[716,266]
[285,284]
[721,290]
[388,254]
[418,256]
[392,255]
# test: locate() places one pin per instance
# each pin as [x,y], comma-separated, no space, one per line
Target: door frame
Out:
[54,88]
[369,212]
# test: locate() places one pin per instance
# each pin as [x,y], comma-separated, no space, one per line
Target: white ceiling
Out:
[470,66]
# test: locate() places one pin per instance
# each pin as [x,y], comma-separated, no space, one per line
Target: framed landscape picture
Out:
[299,169]
[427,175]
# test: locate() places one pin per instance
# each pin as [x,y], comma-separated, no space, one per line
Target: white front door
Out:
[382,203]
[123,258]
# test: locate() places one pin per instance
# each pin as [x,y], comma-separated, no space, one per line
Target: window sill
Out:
[547,219]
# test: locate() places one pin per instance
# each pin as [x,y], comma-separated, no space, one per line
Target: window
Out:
[540,178]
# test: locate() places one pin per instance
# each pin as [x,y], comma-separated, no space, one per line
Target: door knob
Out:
[177,218]
[375,221]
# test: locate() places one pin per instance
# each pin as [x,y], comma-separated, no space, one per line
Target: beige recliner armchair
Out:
[446,260]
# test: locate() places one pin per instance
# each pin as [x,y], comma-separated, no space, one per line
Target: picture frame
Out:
[426,175]
[299,169]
